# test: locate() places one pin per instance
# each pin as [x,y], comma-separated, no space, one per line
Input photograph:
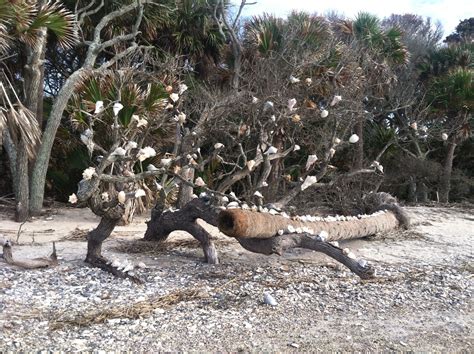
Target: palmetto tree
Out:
[24,26]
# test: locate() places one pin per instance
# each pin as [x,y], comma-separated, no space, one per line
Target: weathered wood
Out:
[240,223]
[111,213]
[280,244]
[35,263]
[162,223]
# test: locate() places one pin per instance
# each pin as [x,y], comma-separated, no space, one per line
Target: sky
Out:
[448,12]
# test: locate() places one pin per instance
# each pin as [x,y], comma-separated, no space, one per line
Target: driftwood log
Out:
[259,232]
[35,263]
[240,223]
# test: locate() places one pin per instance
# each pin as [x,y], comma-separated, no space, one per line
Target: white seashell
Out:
[268,105]
[117,108]
[363,263]
[151,168]
[116,263]
[281,232]
[336,99]
[324,113]
[180,118]
[335,243]
[232,194]
[225,199]
[273,118]
[139,193]
[308,81]
[165,162]
[299,230]
[380,168]
[294,80]
[337,141]
[323,235]
[232,205]
[331,152]
[271,150]
[250,164]
[291,104]
[444,136]
[88,173]
[245,206]
[131,145]
[122,197]
[255,99]
[310,161]
[269,300]
[119,152]
[309,181]
[273,212]
[73,198]
[141,265]
[346,251]
[414,126]
[146,153]
[99,107]
[218,146]
[354,138]
[258,194]
[182,88]
[158,186]
[297,147]
[202,195]
[291,229]
[264,184]
[105,197]
[174,97]
[199,182]
[351,255]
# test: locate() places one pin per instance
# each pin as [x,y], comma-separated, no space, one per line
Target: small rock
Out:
[269,300]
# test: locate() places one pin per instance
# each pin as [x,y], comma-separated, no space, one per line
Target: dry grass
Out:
[76,235]
[152,247]
[134,311]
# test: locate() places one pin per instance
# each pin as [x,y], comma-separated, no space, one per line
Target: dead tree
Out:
[273,232]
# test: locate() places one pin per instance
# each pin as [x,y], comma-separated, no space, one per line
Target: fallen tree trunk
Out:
[258,232]
[35,263]
[240,223]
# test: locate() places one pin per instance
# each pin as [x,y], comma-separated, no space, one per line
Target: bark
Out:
[248,224]
[40,168]
[280,244]
[33,91]
[22,182]
[162,223]
[185,194]
[42,262]
[111,213]
[445,182]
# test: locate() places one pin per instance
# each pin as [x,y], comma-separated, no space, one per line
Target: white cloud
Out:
[448,12]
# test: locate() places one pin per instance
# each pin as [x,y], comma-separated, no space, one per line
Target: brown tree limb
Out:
[35,263]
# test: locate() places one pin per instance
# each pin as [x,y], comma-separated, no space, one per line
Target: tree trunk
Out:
[38,177]
[12,156]
[423,198]
[33,73]
[185,194]
[248,224]
[22,182]
[445,180]
[412,194]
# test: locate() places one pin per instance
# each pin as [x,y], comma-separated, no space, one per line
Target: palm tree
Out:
[452,96]
[24,26]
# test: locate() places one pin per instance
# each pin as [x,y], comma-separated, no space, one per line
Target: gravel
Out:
[408,307]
